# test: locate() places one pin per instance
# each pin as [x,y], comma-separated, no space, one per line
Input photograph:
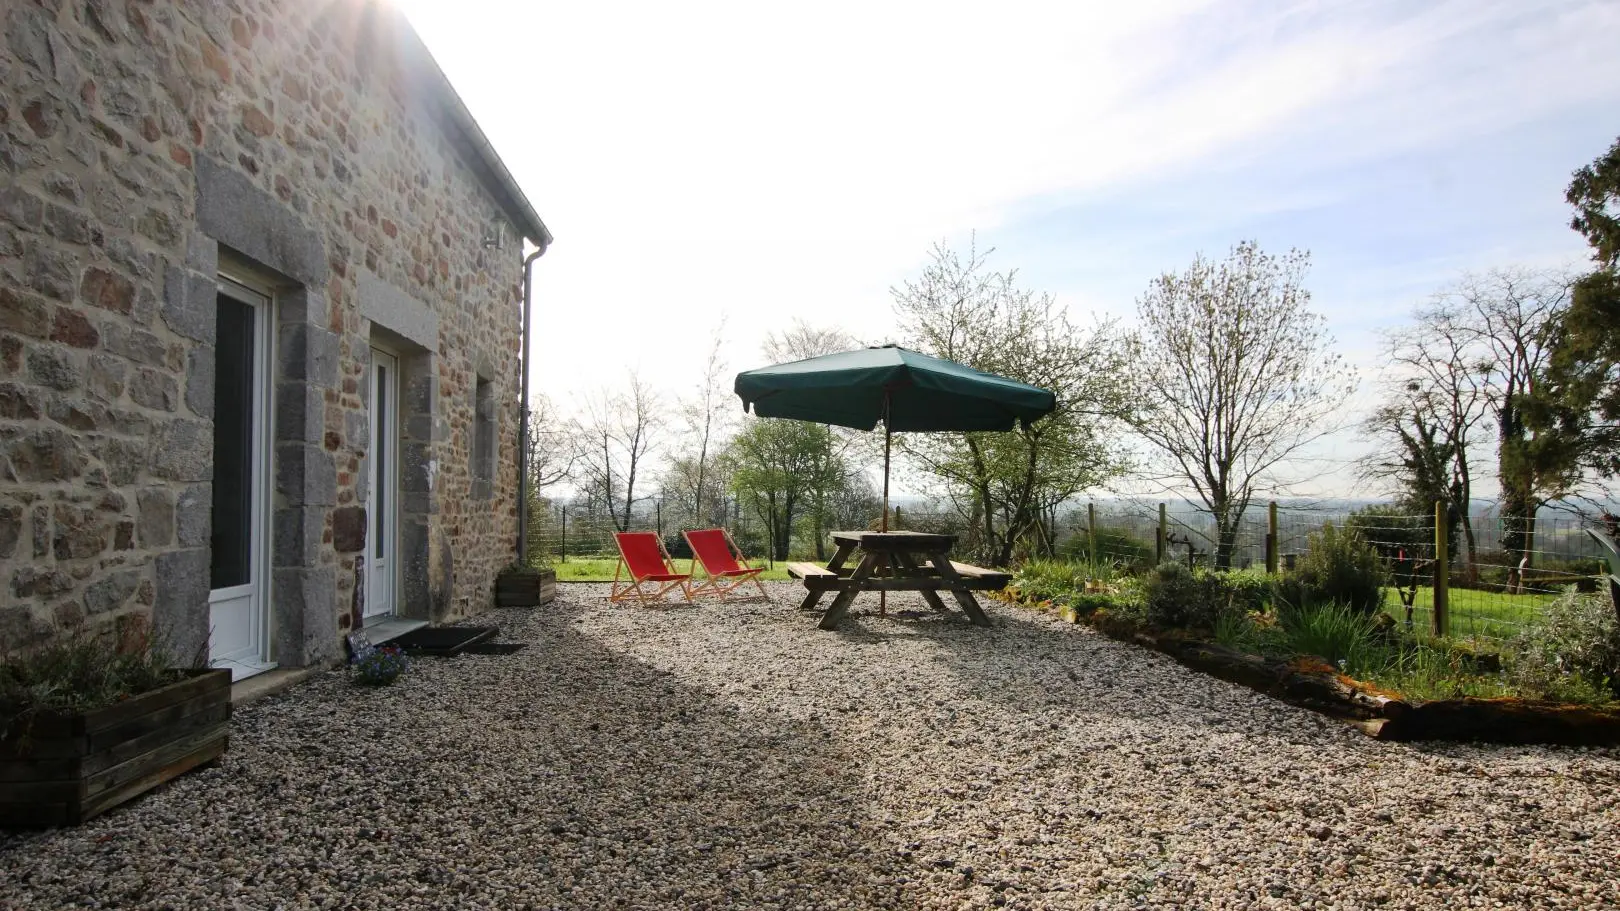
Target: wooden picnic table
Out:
[895,561]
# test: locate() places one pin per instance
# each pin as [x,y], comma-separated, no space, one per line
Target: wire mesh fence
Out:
[560,535]
[1500,571]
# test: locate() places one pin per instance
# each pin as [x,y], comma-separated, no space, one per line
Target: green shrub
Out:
[1575,647]
[1113,547]
[1091,603]
[1175,596]
[1400,540]
[1339,567]
[1247,590]
[1336,633]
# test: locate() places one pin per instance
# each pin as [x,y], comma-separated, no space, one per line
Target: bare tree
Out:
[1436,408]
[1004,484]
[690,480]
[1508,319]
[618,433]
[801,341]
[553,448]
[1236,374]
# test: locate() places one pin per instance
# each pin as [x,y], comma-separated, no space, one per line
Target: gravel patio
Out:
[733,756]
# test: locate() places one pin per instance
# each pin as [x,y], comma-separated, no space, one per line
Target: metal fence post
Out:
[1164,532]
[1442,572]
[564,537]
[1271,538]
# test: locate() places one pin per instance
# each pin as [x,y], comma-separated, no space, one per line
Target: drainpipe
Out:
[523,417]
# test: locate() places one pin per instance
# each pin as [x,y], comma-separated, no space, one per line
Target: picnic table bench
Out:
[895,561]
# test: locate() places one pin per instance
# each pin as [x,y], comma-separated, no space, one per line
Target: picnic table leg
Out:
[964,598]
[813,597]
[909,561]
[846,594]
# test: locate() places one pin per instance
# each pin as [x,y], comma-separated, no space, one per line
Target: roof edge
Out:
[512,197]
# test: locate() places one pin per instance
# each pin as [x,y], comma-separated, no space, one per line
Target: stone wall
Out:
[146,145]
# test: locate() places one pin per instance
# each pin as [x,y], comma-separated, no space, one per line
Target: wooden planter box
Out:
[525,588]
[64,768]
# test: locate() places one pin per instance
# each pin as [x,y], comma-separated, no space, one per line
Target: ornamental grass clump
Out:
[1341,636]
[380,666]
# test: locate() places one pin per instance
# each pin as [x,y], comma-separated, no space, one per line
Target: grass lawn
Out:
[1474,614]
[600,569]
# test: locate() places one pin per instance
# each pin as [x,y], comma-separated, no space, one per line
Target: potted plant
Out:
[520,585]
[86,725]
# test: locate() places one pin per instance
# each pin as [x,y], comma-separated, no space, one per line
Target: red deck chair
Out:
[723,563]
[643,554]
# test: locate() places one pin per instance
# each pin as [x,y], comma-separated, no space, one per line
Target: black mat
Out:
[494,648]
[444,641]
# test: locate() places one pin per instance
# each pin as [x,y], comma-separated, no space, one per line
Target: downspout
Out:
[523,417]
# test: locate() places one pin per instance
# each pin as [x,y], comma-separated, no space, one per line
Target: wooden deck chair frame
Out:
[639,588]
[722,584]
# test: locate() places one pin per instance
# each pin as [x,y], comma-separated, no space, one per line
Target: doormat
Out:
[494,648]
[444,641]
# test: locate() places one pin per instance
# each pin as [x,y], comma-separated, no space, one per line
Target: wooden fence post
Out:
[1164,532]
[1091,531]
[1271,538]
[1442,573]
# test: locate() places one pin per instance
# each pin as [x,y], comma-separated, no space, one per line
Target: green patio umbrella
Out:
[903,389]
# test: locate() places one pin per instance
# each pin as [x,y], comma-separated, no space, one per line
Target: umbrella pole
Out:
[883,524]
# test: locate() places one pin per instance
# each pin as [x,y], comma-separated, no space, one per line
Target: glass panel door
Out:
[237,565]
[383,484]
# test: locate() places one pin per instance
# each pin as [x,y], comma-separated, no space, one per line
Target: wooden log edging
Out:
[1383,716]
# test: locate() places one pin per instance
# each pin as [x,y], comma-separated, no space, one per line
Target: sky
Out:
[728,167]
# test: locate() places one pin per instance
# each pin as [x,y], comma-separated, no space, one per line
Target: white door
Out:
[383,485]
[238,596]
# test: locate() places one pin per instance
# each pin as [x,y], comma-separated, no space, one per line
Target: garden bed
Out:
[61,768]
[1387,716]
[1311,683]
[525,587]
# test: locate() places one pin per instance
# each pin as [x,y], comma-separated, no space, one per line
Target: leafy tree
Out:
[774,464]
[798,342]
[1236,373]
[1581,399]
[1594,191]
[1005,484]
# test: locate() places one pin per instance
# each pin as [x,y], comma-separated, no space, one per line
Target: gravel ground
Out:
[734,756]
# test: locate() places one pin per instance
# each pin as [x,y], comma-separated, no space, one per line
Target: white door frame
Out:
[382,532]
[253,654]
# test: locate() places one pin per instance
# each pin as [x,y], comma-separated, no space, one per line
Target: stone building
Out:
[261,303]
